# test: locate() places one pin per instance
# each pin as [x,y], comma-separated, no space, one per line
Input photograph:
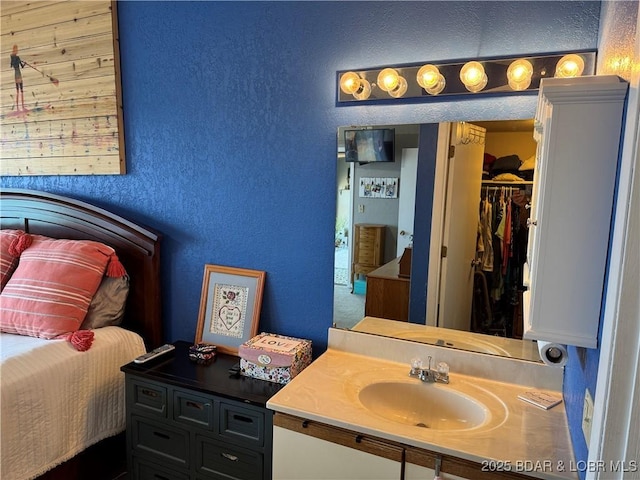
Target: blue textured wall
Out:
[580,373]
[230,124]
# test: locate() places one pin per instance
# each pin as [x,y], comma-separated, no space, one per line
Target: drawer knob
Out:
[162,435]
[197,405]
[242,418]
[229,456]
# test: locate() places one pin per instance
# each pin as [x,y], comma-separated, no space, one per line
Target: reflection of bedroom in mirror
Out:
[371,229]
[478,230]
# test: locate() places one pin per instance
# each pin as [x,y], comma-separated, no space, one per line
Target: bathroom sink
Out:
[424,405]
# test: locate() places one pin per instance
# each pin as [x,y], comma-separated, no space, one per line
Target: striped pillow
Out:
[8,258]
[50,291]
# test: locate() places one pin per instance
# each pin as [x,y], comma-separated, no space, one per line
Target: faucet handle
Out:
[442,375]
[429,359]
[416,366]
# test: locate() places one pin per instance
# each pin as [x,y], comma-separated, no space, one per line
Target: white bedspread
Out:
[56,401]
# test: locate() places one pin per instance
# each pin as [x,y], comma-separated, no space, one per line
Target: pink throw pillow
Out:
[8,257]
[50,291]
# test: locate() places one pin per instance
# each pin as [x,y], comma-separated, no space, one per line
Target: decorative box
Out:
[202,353]
[273,357]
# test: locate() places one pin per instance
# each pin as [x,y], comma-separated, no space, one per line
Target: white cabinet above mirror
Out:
[577,127]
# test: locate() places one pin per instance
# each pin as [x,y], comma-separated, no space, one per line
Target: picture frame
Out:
[66,117]
[230,306]
[378,187]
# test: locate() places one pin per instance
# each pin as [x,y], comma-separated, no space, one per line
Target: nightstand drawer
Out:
[193,409]
[242,423]
[148,397]
[159,440]
[221,460]
[144,470]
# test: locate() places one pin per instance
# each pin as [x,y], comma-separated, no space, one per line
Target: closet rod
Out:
[508,189]
[503,187]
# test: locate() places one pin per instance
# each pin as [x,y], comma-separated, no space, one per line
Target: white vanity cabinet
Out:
[419,464]
[577,127]
[309,450]
[301,456]
[418,472]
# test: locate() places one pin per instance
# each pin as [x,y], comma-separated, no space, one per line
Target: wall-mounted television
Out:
[372,145]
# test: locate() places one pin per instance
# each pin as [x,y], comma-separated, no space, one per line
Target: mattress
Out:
[57,401]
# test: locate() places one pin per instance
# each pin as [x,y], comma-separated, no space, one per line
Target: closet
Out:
[484,169]
[503,213]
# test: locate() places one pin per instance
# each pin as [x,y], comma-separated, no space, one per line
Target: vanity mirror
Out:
[480,316]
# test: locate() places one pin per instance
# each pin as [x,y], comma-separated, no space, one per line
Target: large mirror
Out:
[430,242]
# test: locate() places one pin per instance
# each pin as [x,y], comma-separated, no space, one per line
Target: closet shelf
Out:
[506,183]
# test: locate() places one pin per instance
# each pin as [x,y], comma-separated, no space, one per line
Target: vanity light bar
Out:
[502,75]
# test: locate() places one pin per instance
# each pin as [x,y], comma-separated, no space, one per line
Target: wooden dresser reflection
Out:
[368,248]
[387,293]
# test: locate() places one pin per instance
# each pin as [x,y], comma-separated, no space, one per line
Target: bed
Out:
[57,401]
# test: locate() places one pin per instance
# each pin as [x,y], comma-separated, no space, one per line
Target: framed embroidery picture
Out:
[229,307]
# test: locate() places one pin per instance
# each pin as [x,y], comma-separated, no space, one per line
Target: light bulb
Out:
[350,82]
[427,76]
[400,89]
[430,78]
[570,66]
[388,79]
[364,91]
[519,74]
[438,87]
[473,76]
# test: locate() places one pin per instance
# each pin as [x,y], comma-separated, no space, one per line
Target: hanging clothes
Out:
[501,251]
[506,238]
[497,288]
[486,258]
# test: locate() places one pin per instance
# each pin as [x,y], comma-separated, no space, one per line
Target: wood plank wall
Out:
[71,120]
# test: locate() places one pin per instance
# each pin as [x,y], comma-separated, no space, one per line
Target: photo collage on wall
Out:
[378,187]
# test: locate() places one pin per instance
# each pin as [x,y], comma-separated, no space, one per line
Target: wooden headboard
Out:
[137,247]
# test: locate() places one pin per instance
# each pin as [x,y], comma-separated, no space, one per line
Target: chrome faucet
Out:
[440,375]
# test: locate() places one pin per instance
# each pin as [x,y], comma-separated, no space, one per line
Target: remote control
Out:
[155,353]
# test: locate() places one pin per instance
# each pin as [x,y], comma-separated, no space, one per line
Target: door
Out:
[407,198]
[303,457]
[460,226]
[344,229]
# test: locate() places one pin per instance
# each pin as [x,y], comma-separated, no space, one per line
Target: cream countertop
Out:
[327,392]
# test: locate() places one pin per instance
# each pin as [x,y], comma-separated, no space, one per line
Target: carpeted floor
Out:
[348,308]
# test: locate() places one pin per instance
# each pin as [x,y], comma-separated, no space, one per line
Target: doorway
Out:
[475,291]
[348,309]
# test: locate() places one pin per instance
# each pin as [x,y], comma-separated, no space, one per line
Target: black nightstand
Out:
[194,422]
